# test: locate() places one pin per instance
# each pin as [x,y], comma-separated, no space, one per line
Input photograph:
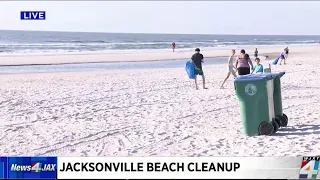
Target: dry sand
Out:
[155,112]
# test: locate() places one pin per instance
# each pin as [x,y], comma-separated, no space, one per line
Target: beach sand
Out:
[154,112]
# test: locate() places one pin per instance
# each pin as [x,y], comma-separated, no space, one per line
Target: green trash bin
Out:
[281,118]
[255,93]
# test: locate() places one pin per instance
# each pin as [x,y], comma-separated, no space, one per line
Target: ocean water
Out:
[37,42]
[106,66]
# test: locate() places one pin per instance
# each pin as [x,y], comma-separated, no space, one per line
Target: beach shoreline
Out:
[90,62]
[140,56]
[152,112]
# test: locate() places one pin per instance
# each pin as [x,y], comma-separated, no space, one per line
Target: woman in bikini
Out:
[243,63]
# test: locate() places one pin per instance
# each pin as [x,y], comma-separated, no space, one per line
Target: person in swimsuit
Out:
[197,59]
[243,63]
[283,56]
[231,68]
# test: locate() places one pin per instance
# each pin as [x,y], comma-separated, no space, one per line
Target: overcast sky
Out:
[189,17]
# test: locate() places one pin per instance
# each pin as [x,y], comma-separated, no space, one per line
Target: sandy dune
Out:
[152,112]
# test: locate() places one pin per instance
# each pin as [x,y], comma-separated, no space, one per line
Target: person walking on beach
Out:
[283,56]
[256,53]
[173,46]
[243,63]
[197,59]
[231,68]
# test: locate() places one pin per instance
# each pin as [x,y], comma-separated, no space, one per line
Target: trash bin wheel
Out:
[275,126]
[266,128]
[284,120]
[278,120]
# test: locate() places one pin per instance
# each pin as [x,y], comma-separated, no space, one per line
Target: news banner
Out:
[159,167]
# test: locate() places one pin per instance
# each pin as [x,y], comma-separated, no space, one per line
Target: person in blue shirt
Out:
[258,68]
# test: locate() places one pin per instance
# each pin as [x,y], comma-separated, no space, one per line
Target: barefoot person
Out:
[283,56]
[243,63]
[173,46]
[197,59]
[231,68]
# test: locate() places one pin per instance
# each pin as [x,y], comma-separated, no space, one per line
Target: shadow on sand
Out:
[299,130]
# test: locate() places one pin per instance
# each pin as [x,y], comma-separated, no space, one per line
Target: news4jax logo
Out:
[32,15]
[35,167]
[309,167]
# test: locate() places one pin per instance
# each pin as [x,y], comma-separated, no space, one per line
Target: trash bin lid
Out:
[254,77]
[275,74]
[279,74]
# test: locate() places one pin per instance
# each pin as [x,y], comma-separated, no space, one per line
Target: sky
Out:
[173,17]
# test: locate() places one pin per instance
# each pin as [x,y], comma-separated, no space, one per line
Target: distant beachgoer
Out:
[287,52]
[258,68]
[267,58]
[243,63]
[283,56]
[231,68]
[173,46]
[256,53]
[197,59]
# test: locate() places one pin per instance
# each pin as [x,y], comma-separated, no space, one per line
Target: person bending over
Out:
[283,57]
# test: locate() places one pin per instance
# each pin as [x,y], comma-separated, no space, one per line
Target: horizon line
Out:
[64,31]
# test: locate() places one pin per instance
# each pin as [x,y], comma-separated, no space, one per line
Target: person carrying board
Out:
[197,59]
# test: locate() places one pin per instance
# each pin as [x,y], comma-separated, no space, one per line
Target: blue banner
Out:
[28,167]
[33,15]
[3,168]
